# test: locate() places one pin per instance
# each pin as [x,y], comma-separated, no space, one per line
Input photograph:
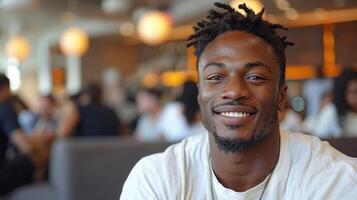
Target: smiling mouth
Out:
[235,114]
[235,119]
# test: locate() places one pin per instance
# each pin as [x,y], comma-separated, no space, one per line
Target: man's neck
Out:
[246,169]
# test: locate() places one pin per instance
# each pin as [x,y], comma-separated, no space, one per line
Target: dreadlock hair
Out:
[217,23]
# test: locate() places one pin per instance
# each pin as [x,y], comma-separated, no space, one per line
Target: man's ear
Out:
[282,97]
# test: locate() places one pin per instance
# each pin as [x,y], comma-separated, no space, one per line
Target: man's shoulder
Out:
[313,149]
[320,166]
[161,175]
[180,153]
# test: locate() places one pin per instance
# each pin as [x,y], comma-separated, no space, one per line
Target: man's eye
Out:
[215,78]
[256,78]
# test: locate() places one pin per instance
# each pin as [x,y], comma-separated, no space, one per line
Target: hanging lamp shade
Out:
[17,47]
[154,27]
[74,42]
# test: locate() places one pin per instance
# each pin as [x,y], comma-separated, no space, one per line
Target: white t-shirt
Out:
[307,169]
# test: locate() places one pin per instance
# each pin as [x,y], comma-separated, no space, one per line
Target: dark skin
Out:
[240,96]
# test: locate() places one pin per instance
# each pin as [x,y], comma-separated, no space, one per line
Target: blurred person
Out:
[291,117]
[67,113]
[21,168]
[244,155]
[310,124]
[91,117]
[25,116]
[149,106]
[130,121]
[190,108]
[290,120]
[339,117]
[184,111]
[314,90]
[47,121]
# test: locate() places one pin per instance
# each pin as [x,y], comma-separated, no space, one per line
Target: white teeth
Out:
[235,114]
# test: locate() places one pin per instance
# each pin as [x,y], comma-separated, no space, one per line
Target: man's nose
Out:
[236,88]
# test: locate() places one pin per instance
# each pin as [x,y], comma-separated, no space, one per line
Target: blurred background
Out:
[55,46]
[121,68]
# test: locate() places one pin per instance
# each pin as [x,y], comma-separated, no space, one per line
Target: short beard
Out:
[231,145]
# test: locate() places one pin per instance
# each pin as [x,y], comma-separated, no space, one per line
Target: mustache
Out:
[232,103]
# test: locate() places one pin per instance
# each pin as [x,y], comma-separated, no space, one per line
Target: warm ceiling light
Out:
[154,27]
[150,80]
[255,5]
[173,78]
[74,42]
[17,47]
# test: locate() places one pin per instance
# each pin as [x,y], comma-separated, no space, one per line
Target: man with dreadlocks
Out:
[244,155]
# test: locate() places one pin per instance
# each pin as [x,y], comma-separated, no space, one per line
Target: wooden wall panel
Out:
[109,51]
[346,43]
[308,49]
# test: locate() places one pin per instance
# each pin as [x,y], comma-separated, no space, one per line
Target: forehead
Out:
[238,47]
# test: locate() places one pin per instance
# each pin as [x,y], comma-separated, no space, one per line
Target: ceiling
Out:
[34,16]
[42,21]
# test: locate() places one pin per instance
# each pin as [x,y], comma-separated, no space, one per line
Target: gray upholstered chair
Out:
[88,168]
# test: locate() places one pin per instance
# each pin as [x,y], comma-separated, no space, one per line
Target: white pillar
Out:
[73,75]
[44,68]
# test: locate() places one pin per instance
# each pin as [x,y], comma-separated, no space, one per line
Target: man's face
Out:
[146,102]
[239,91]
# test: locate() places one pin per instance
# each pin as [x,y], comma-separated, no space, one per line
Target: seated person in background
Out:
[67,113]
[190,108]
[339,117]
[149,106]
[47,121]
[184,112]
[313,91]
[244,155]
[291,118]
[91,117]
[23,165]
[25,116]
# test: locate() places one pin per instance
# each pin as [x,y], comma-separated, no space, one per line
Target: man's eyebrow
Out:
[258,64]
[213,64]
